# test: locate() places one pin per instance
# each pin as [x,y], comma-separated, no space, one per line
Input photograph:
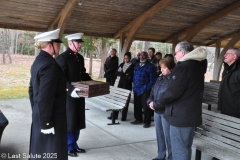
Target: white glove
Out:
[48,131]
[74,93]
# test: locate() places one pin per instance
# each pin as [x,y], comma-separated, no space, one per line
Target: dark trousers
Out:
[111,81]
[140,102]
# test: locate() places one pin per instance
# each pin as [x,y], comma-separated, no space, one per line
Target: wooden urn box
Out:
[90,89]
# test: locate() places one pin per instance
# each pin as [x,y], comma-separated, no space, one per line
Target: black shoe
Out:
[72,153]
[79,150]
[146,125]
[136,122]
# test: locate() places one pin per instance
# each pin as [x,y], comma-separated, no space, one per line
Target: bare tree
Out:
[103,57]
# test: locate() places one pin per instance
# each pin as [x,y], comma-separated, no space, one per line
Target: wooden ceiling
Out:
[203,22]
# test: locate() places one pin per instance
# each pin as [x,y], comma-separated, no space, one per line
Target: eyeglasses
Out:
[176,52]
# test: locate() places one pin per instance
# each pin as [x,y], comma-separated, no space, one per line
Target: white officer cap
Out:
[50,36]
[75,37]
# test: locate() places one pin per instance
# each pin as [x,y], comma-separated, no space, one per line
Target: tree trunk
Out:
[103,58]
[90,63]
[36,49]
[4,59]
[16,43]
[10,58]
[12,36]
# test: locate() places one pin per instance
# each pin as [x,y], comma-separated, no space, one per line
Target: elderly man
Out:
[143,80]
[72,64]
[229,91]
[110,67]
[183,98]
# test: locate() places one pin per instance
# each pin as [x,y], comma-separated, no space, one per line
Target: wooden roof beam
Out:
[61,20]
[136,23]
[224,38]
[196,28]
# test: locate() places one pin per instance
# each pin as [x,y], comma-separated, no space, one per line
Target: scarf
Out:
[142,62]
[126,66]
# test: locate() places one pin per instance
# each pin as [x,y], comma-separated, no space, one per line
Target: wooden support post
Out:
[174,44]
[217,54]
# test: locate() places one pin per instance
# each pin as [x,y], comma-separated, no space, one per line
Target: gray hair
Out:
[236,51]
[185,46]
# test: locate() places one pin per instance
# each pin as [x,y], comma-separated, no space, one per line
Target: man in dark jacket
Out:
[144,78]
[110,67]
[152,59]
[229,91]
[183,98]
[47,93]
[135,60]
[72,64]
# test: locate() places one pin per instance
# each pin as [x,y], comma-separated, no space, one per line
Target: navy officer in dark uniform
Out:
[47,92]
[72,64]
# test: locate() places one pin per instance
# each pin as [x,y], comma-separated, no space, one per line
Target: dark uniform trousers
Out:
[140,102]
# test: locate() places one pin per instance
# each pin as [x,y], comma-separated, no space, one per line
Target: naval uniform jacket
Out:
[73,68]
[47,92]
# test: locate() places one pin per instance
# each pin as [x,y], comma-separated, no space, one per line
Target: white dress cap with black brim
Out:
[75,37]
[50,36]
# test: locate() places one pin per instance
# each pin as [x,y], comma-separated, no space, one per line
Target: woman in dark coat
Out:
[125,72]
[162,126]
[47,93]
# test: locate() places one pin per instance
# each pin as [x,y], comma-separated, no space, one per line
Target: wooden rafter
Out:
[61,20]
[136,23]
[224,38]
[196,28]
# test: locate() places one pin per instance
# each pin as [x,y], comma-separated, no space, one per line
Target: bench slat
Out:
[221,121]
[222,132]
[120,89]
[102,105]
[110,100]
[217,143]
[119,93]
[218,137]
[222,127]
[215,151]
[123,99]
[221,116]
[115,106]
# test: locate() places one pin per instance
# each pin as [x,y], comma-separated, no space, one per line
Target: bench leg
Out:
[125,109]
[114,115]
[198,155]
[209,107]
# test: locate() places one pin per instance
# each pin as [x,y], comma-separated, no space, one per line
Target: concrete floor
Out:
[101,141]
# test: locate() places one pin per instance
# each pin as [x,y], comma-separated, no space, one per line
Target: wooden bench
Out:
[218,136]
[210,94]
[115,101]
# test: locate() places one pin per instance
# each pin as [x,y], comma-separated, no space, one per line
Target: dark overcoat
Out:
[125,78]
[73,68]
[47,92]
[229,91]
[110,67]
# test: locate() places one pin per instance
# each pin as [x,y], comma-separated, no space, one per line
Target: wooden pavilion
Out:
[203,22]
